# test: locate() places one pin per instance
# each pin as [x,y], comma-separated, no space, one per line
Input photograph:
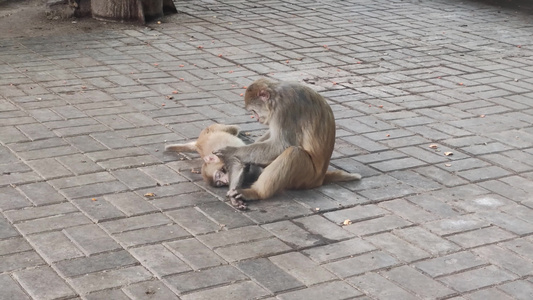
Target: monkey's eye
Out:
[223,170]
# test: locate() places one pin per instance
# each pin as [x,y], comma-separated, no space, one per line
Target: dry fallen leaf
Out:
[195,171]
[93,199]
[149,195]
[433,146]
[447,165]
[448,153]
[347,222]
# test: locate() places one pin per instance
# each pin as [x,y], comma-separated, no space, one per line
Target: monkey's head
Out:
[214,171]
[258,100]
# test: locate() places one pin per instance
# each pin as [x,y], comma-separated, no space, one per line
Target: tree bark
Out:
[131,10]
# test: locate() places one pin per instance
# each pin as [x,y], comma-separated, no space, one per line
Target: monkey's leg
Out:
[292,169]
[231,129]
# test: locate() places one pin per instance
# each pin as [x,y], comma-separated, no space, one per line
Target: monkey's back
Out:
[311,123]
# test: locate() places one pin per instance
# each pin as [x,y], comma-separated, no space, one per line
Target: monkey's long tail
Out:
[338,176]
[189,147]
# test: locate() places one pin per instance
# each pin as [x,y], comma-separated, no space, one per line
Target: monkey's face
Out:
[257,101]
[220,178]
[260,111]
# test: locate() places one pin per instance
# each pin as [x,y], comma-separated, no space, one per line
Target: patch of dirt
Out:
[27,18]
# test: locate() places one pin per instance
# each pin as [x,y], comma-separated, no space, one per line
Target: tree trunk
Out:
[131,10]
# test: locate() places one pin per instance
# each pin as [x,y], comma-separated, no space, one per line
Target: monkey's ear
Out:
[264,95]
[211,158]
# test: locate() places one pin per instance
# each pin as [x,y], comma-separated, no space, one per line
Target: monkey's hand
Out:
[236,200]
[225,153]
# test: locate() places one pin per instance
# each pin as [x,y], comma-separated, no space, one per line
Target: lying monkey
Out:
[212,138]
[295,152]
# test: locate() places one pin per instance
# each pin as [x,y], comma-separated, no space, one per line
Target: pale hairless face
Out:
[220,178]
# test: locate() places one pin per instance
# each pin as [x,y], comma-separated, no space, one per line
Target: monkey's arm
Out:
[264,137]
[258,153]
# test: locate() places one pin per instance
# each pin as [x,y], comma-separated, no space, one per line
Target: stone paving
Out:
[84,120]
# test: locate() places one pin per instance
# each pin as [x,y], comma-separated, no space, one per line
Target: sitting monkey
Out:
[294,153]
[212,138]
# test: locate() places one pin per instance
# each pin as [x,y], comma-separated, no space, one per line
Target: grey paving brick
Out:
[418,283]
[507,222]
[163,174]
[330,290]
[80,180]
[341,196]
[314,200]
[521,246]
[379,287]
[442,176]
[195,254]
[10,198]
[254,249]
[322,228]
[159,260]
[356,214]
[130,203]
[10,288]
[302,268]
[192,281]
[234,236]
[49,168]
[109,279]
[134,179]
[41,193]
[489,294]
[194,221]
[339,250]
[170,190]
[54,246]
[293,235]
[14,245]
[93,190]
[241,290]
[79,164]
[90,239]
[135,223]
[361,264]
[520,289]
[408,211]
[398,247]
[52,223]
[151,235]
[481,236]
[183,200]
[377,225]
[505,259]
[269,275]
[20,260]
[276,209]
[452,263]
[43,283]
[456,225]
[491,275]
[98,209]
[149,290]
[224,214]
[97,263]
[426,240]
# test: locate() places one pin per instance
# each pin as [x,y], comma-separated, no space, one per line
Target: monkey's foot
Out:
[236,200]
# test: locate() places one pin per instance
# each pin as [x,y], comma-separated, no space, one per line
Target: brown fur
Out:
[212,138]
[297,149]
